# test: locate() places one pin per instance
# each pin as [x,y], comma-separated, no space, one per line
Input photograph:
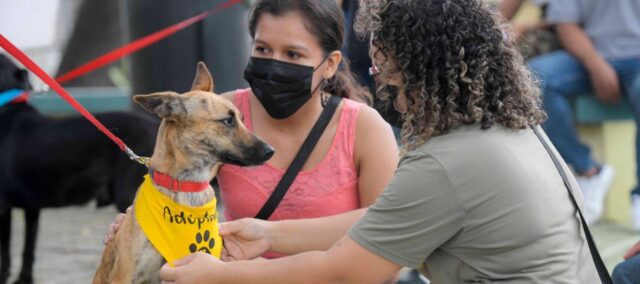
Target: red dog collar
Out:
[22,98]
[177,185]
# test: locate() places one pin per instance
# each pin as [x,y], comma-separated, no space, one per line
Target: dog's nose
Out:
[268,152]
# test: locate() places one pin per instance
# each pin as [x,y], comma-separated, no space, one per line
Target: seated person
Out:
[602,57]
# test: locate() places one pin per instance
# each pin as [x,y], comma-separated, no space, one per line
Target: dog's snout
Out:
[268,152]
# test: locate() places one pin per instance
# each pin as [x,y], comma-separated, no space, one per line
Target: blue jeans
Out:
[562,77]
[627,272]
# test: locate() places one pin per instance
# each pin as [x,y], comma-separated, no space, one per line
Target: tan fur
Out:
[191,125]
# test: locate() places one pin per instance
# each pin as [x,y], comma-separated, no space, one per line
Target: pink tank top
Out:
[331,187]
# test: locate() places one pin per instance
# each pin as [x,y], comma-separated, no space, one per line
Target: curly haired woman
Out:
[476,197]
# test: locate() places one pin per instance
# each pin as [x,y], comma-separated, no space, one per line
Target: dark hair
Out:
[455,65]
[324,19]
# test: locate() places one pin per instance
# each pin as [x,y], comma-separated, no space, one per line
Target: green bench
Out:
[589,109]
[94,99]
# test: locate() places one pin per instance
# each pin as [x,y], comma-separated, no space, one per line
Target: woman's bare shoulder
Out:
[229,95]
[370,126]
[369,119]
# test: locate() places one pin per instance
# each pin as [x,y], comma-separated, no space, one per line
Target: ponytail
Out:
[344,84]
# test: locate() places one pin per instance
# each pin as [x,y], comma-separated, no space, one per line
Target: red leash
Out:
[29,64]
[141,43]
[176,185]
[103,60]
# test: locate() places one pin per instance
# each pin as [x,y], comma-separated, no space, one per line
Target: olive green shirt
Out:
[480,206]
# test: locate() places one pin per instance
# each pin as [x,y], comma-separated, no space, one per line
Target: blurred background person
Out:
[528,27]
[601,56]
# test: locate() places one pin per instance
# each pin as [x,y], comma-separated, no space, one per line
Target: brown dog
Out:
[199,132]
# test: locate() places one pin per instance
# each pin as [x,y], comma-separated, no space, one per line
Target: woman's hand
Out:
[244,239]
[635,249]
[605,81]
[192,269]
[113,227]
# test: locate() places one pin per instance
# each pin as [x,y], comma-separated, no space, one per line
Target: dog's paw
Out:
[204,243]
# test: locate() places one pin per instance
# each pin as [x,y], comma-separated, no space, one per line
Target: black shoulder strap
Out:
[301,158]
[600,267]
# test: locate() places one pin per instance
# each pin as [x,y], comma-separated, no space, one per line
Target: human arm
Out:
[566,18]
[250,238]
[376,162]
[508,8]
[634,250]
[345,262]
[410,220]
[603,77]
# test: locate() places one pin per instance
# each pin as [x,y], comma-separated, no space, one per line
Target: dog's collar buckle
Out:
[175,185]
[173,188]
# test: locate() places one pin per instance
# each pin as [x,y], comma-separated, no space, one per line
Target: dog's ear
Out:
[203,80]
[167,105]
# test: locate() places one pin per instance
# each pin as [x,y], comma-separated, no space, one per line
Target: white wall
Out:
[40,28]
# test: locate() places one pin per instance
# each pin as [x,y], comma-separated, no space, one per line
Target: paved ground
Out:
[70,243]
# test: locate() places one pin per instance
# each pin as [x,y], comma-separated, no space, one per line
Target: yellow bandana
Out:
[176,230]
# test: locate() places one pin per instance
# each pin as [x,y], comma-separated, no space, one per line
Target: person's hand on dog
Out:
[244,239]
[192,269]
[113,227]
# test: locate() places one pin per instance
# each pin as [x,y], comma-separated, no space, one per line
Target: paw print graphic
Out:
[204,243]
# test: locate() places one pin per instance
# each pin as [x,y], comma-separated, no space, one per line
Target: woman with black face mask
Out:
[294,71]
[295,68]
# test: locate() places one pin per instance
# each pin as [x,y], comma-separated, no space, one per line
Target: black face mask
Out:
[282,88]
[387,109]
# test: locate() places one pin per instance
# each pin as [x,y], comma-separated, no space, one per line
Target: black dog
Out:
[47,162]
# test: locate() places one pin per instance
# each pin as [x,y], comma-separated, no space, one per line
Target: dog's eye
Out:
[229,122]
